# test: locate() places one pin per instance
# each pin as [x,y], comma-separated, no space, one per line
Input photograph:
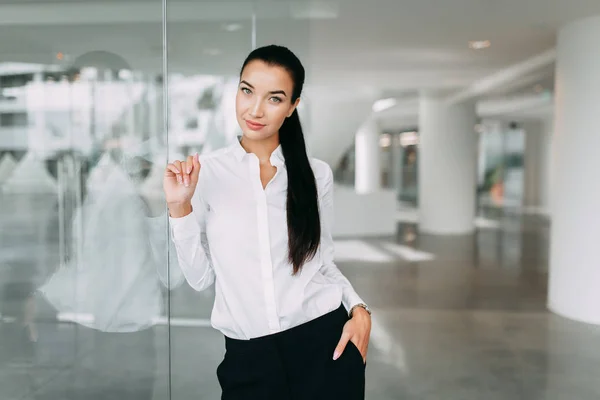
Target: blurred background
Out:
[463,137]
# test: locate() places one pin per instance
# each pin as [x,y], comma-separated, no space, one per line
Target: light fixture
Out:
[232,27]
[385,140]
[409,139]
[479,44]
[383,104]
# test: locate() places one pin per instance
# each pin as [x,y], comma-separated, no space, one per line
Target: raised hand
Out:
[179,183]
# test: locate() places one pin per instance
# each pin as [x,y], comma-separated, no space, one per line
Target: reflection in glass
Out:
[84,268]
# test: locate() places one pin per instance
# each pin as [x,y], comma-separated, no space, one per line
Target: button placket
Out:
[265,247]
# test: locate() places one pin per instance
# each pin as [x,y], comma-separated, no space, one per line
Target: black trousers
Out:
[296,364]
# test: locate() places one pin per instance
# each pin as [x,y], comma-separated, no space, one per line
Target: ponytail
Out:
[304,226]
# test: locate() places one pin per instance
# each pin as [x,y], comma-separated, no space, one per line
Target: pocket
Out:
[352,347]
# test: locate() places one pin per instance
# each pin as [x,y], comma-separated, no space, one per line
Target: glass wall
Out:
[501,176]
[95,98]
[84,277]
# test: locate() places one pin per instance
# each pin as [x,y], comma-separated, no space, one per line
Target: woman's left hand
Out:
[357,330]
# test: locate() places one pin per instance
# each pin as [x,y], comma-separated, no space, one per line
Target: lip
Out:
[254,125]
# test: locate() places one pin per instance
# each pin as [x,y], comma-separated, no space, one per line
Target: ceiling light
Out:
[409,139]
[232,27]
[385,140]
[479,44]
[383,104]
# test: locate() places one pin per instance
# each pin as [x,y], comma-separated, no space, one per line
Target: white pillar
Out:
[397,152]
[333,116]
[367,167]
[547,147]
[538,137]
[533,158]
[575,233]
[447,166]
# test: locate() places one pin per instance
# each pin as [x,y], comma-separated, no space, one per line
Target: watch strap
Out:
[361,305]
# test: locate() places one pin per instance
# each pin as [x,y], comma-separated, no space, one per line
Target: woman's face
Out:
[263,100]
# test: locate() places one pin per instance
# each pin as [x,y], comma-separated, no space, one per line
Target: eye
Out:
[276,99]
[246,90]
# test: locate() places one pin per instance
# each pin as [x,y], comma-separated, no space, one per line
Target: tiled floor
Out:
[469,323]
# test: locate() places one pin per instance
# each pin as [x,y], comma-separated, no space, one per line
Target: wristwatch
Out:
[361,305]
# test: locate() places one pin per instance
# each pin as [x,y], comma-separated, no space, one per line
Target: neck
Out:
[261,148]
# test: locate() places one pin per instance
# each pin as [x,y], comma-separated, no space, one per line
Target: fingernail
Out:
[336,355]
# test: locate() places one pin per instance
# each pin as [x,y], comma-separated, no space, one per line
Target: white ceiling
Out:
[392,47]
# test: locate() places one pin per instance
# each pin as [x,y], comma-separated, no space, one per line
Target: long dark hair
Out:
[304,225]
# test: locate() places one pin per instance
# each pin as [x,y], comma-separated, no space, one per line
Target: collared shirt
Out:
[236,237]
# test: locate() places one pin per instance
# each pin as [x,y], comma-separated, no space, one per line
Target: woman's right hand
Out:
[180,180]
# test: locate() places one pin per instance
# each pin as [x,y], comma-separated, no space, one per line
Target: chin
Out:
[254,135]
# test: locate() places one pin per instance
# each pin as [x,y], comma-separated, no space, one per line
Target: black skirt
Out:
[296,364]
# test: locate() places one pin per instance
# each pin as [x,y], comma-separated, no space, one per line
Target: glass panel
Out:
[83,262]
[205,54]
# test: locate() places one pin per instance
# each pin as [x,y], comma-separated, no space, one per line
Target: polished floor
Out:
[454,318]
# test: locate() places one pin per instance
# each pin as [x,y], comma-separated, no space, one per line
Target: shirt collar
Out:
[276,159]
[238,150]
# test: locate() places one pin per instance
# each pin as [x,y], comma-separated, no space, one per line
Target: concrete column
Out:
[397,152]
[333,116]
[546,176]
[532,163]
[574,257]
[367,158]
[538,136]
[447,166]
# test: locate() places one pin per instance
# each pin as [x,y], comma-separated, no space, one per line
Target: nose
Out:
[256,111]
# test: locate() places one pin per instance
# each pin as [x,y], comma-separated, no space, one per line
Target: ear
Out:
[293,107]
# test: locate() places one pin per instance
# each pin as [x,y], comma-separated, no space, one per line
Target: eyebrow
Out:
[271,92]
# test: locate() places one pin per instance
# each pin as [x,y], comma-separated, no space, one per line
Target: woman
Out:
[255,218]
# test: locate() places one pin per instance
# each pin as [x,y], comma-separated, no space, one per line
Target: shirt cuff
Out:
[352,299]
[184,227]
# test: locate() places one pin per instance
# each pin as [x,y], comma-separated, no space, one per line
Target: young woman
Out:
[255,219]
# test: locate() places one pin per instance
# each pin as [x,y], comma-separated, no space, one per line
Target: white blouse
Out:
[237,237]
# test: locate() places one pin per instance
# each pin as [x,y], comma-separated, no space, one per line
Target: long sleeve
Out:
[329,269]
[193,253]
